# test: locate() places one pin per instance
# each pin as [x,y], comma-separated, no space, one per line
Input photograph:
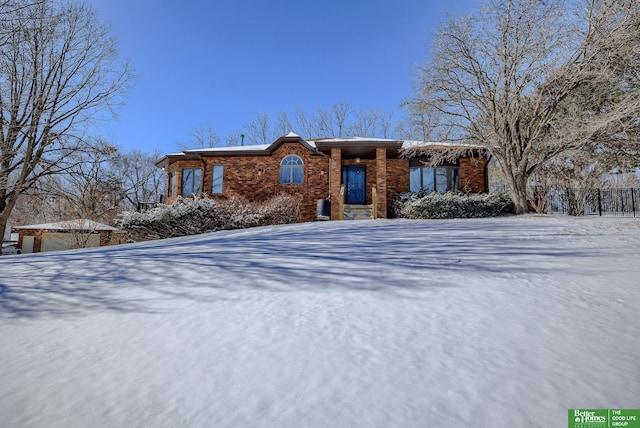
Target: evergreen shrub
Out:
[191,216]
[452,205]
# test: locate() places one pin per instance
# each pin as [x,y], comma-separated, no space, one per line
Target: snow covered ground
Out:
[505,322]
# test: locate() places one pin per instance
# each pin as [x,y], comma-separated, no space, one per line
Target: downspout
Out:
[204,171]
[316,151]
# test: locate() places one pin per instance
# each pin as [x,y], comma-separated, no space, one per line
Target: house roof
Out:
[80,224]
[359,146]
[261,149]
[255,149]
[356,140]
[415,144]
[352,145]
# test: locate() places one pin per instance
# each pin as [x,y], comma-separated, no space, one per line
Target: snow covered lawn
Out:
[505,322]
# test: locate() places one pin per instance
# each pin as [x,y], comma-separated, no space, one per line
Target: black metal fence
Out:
[581,201]
[143,206]
[613,202]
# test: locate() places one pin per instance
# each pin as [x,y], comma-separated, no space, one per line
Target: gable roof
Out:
[255,149]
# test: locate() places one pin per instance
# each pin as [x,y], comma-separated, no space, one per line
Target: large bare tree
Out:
[529,79]
[59,70]
[140,181]
[201,138]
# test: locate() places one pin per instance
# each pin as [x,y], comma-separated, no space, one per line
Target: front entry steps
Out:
[358,212]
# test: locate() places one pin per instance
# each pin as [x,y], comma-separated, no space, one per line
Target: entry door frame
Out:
[354,178]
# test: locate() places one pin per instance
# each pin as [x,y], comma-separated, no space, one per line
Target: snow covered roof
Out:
[252,149]
[255,147]
[414,144]
[353,143]
[80,224]
[355,140]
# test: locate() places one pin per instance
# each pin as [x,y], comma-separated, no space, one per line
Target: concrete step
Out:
[358,212]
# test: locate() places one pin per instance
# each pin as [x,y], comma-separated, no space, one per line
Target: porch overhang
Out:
[363,148]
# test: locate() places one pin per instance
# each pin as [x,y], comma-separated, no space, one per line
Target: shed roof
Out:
[80,224]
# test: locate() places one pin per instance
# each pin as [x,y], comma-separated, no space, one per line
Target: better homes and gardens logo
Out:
[592,418]
[604,418]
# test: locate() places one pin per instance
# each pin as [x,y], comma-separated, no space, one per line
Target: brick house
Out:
[351,173]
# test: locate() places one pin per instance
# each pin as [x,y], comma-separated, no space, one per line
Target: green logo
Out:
[604,418]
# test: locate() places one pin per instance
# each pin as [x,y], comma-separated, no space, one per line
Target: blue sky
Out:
[221,63]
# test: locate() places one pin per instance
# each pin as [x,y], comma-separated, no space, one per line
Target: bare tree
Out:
[140,181]
[422,122]
[304,124]
[503,79]
[332,122]
[258,130]
[322,122]
[341,113]
[235,139]
[283,125]
[338,121]
[91,188]
[81,231]
[201,138]
[39,204]
[58,69]
[366,123]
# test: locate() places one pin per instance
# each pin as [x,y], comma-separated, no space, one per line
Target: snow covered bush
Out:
[452,205]
[199,215]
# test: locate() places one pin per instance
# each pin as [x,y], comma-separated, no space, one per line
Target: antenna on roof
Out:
[242,139]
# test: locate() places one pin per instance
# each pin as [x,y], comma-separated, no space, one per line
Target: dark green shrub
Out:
[452,205]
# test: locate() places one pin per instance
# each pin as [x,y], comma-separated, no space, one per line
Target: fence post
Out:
[633,202]
[599,203]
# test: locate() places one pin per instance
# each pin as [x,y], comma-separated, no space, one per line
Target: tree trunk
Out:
[518,188]
[520,203]
[4,217]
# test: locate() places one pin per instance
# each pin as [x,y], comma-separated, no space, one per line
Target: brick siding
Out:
[397,180]
[257,177]
[473,175]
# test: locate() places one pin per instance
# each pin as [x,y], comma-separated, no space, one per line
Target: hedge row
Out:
[199,215]
[452,205]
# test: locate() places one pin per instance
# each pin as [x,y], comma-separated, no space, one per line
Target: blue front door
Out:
[353,178]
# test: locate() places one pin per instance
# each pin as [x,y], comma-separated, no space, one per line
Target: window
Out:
[216,183]
[172,184]
[440,179]
[191,181]
[291,170]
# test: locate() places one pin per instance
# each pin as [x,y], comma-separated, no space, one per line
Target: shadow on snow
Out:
[396,257]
